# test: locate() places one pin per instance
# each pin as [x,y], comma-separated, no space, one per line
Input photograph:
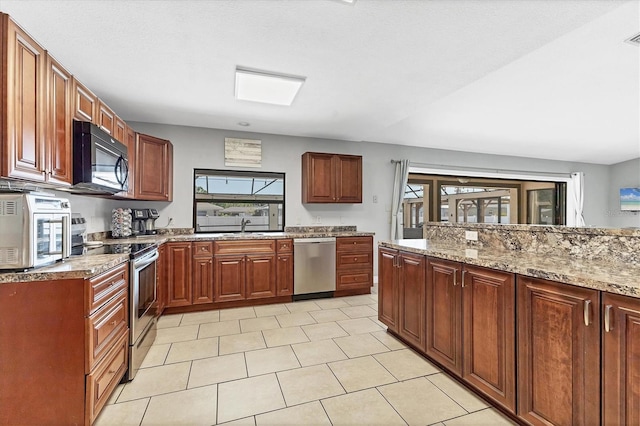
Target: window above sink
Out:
[231,201]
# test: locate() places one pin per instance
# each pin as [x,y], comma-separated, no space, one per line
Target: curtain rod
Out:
[481,169]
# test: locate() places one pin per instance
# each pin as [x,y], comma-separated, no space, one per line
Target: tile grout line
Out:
[391,405]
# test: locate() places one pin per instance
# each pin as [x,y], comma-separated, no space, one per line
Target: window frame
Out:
[239,198]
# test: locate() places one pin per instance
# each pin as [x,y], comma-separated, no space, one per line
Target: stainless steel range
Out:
[143,301]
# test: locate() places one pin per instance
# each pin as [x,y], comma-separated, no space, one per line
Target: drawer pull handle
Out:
[455,277]
[114,322]
[111,372]
[463,274]
[587,306]
[354,243]
[607,318]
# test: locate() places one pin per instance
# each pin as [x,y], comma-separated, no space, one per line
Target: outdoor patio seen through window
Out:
[224,200]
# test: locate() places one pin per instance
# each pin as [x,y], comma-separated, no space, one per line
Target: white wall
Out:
[623,175]
[204,148]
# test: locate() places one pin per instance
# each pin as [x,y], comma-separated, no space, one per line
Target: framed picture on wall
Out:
[630,199]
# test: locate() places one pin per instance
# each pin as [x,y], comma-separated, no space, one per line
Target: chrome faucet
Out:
[243,224]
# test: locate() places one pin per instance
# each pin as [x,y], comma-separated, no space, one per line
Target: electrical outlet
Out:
[375,199]
[471,235]
[318,219]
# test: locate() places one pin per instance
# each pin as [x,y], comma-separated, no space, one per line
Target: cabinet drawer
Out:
[203,248]
[359,279]
[106,376]
[354,244]
[244,247]
[105,326]
[105,286]
[284,246]
[359,260]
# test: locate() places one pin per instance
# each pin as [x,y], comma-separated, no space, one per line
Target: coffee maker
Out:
[139,221]
[151,221]
[144,221]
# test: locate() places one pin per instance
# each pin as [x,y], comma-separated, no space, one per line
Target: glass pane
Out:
[228,217]
[232,201]
[541,206]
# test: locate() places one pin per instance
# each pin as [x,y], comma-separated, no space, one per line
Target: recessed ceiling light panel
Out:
[267,87]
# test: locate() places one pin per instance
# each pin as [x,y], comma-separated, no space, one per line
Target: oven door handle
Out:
[144,261]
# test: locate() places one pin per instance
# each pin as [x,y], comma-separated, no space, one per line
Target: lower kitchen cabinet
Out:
[229,278]
[354,264]
[284,267]
[245,270]
[178,271]
[388,288]
[63,348]
[260,275]
[401,294]
[411,295]
[489,333]
[558,353]
[620,360]
[444,313]
[161,284]
[203,272]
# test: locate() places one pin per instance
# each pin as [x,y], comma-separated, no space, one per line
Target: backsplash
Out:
[616,245]
[319,229]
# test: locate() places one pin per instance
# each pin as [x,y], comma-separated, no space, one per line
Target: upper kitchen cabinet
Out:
[59,140]
[106,119]
[23,84]
[331,178]
[85,103]
[36,136]
[153,168]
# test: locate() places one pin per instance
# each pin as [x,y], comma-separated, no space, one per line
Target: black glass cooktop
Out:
[134,250]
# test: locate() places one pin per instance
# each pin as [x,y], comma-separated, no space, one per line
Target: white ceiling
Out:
[536,78]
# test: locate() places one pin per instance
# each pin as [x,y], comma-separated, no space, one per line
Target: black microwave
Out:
[100,162]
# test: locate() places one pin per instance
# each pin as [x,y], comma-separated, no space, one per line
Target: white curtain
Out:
[399,187]
[577,183]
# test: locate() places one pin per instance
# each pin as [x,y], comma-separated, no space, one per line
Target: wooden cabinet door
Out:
[489,337]
[119,130]
[388,288]
[202,279]
[558,353]
[229,274]
[58,146]
[162,284]
[318,178]
[260,275]
[620,360]
[153,168]
[348,178]
[444,313]
[85,103]
[130,142]
[24,135]
[284,275]
[106,118]
[411,286]
[179,270]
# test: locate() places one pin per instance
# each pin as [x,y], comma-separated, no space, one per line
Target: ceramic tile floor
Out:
[316,362]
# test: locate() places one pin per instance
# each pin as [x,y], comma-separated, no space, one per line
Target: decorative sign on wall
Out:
[242,152]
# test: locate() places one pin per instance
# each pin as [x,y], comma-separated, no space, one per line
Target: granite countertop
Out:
[619,278]
[89,266]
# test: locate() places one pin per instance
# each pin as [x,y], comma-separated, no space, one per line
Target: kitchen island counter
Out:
[613,277]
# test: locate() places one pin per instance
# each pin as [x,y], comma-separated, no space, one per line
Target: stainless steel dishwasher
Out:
[314,261]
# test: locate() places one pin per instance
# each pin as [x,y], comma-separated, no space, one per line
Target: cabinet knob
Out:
[355,259]
[354,243]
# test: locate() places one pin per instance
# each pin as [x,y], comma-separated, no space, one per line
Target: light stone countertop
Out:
[91,265]
[619,278]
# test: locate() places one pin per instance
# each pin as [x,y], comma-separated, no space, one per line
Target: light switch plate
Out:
[471,235]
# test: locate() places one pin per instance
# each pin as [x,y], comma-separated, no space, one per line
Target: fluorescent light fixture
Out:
[267,87]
